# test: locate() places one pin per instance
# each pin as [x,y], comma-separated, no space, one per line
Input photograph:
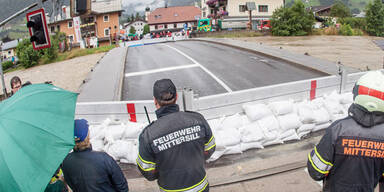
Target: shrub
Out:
[331,31]
[358,32]
[354,22]
[375,18]
[346,30]
[293,21]
[28,57]
[7,65]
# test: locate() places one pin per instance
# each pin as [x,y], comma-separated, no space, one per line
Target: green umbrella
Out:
[36,133]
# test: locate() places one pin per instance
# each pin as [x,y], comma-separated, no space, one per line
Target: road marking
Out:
[202,67]
[160,70]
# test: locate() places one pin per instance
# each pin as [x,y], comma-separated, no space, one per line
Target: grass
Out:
[69,55]
[80,52]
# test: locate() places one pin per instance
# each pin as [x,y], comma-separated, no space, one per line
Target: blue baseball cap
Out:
[81,130]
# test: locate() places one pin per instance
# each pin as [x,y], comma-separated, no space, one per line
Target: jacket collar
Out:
[364,117]
[87,149]
[166,110]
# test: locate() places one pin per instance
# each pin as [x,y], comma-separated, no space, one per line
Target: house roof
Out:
[106,6]
[174,14]
[320,8]
[10,45]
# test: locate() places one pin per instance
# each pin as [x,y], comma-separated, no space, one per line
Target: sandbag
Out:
[251,145]
[133,130]
[321,127]
[97,144]
[256,111]
[303,134]
[336,117]
[216,155]
[245,120]
[317,103]
[306,128]
[273,142]
[270,136]
[306,114]
[289,121]
[251,133]
[321,116]
[294,136]
[333,107]
[287,133]
[235,149]
[114,132]
[232,122]
[98,131]
[216,124]
[132,152]
[118,149]
[228,137]
[346,98]
[270,123]
[281,107]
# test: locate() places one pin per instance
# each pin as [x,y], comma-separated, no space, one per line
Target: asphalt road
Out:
[205,67]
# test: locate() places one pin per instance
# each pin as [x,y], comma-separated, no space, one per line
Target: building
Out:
[138,25]
[173,18]
[233,12]
[101,25]
[8,49]
[320,10]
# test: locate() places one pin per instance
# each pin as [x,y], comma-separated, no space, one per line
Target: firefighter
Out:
[350,156]
[173,149]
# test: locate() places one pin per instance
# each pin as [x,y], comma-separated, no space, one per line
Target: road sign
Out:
[38,30]
[251,6]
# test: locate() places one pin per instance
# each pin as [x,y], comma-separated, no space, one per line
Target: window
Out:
[106,18]
[166,26]
[58,28]
[242,8]
[52,29]
[204,14]
[9,52]
[175,25]
[263,8]
[156,27]
[70,37]
[106,32]
[70,24]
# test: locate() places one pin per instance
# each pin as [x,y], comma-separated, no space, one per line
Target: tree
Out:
[293,21]
[132,30]
[132,17]
[375,18]
[339,9]
[146,29]
[137,16]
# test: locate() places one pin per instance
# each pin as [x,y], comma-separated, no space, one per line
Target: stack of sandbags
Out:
[252,134]
[120,140]
[270,127]
[321,114]
[332,103]
[307,118]
[288,119]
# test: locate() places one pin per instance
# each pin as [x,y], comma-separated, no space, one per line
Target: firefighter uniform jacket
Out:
[350,156]
[173,150]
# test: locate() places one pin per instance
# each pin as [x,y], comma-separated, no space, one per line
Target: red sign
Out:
[39,14]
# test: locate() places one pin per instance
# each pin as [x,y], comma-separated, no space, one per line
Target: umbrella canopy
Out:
[36,134]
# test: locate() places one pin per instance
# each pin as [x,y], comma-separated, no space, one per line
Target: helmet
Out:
[369,91]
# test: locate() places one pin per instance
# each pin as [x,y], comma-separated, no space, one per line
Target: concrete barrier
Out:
[151,41]
[216,106]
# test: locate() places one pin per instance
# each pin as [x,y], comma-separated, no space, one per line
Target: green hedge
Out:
[7,65]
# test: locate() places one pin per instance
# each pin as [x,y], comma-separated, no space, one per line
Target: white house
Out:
[233,14]
[138,25]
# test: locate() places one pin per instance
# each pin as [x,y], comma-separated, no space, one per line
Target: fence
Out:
[218,105]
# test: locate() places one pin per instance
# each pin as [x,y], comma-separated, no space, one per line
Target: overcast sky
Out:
[140,6]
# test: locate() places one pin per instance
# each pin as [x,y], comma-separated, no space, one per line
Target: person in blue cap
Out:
[86,170]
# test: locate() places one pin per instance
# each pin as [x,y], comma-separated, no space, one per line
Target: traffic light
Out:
[38,31]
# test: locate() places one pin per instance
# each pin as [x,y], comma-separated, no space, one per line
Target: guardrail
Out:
[151,41]
[216,106]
